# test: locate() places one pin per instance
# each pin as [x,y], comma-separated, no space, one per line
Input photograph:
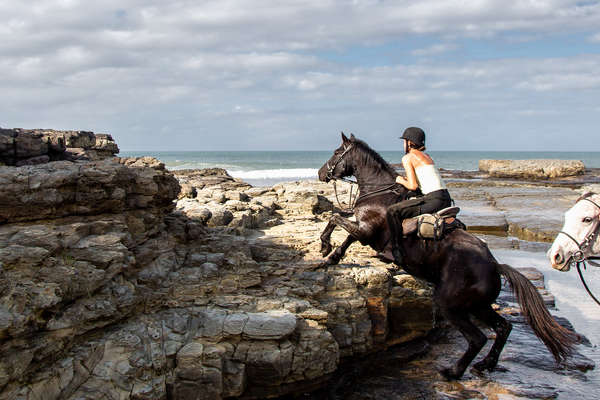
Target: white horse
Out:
[579,238]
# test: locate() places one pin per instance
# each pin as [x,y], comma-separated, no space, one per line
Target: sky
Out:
[291,74]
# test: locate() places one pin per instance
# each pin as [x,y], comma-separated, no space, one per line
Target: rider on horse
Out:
[422,174]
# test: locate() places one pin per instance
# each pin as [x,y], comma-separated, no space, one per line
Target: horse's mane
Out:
[371,156]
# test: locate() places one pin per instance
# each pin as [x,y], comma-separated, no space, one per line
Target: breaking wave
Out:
[290,173]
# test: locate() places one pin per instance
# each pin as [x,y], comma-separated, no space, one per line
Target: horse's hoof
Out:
[325,251]
[449,374]
[482,366]
[327,262]
[477,372]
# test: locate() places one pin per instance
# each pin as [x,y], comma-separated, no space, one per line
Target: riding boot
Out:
[397,249]
[395,226]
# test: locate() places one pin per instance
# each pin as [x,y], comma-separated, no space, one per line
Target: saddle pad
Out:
[448,212]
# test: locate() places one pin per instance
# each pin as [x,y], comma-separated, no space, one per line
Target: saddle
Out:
[433,226]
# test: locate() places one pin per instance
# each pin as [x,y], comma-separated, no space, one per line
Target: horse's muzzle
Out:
[562,267]
[324,175]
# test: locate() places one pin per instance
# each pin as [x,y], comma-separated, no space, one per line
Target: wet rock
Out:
[410,308]
[482,217]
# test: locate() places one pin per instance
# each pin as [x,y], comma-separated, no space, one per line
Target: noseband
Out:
[331,168]
[579,256]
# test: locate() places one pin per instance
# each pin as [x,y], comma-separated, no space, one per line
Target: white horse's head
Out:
[579,235]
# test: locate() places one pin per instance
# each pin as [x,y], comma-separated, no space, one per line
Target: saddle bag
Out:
[430,226]
[433,226]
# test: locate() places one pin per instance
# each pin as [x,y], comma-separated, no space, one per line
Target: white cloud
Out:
[150,64]
[595,38]
[434,50]
[535,113]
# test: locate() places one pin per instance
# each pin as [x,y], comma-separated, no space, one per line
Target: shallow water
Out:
[573,303]
[526,369]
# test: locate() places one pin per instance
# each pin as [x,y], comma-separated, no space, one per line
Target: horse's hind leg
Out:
[474,336]
[502,328]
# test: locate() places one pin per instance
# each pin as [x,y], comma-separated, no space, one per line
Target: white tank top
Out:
[429,178]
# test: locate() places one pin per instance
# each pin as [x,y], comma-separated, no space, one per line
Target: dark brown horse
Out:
[465,275]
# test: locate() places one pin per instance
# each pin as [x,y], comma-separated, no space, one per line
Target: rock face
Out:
[531,169]
[20,147]
[64,188]
[109,289]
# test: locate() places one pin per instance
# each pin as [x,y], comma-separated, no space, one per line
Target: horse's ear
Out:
[344,138]
[352,137]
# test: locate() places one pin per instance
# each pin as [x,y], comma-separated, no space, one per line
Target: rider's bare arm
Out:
[410,182]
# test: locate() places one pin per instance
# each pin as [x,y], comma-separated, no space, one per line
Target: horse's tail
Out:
[559,340]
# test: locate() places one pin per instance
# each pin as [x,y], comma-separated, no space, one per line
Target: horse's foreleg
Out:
[339,252]
[326,238]
[474,336]
[354,234]
[502,327]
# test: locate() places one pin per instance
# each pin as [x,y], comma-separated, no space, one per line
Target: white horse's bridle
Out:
[579,255]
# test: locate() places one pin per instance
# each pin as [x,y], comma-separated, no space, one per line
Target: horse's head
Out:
[339,165]
[579,236]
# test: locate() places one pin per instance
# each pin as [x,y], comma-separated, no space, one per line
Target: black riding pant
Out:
[427,204]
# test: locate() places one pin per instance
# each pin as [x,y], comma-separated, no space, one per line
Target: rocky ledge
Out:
[38,146]
[110,287]
[532,169]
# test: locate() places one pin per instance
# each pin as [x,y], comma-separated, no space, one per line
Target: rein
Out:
[578,258]
[330,176]
[352,202]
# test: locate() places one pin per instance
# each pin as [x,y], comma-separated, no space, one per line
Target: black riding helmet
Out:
[415,135]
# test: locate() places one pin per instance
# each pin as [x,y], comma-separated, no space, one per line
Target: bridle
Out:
[331,168]
[352,201]
[330,176]
[579,256]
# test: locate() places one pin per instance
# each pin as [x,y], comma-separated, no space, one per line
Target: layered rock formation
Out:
[118,280]
[108,291]
[38,146]
[531,169]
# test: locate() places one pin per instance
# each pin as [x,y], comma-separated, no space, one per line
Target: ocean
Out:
[266,168]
